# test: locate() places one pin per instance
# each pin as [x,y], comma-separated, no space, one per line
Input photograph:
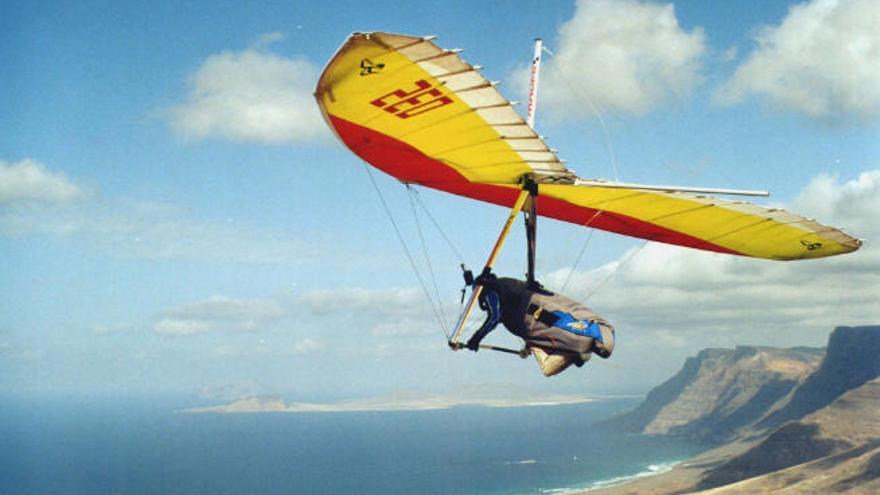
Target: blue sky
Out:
[175,218]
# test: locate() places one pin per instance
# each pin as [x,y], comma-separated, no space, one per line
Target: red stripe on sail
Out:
[410,165]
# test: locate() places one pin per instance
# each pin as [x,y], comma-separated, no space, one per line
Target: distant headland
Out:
[475,396]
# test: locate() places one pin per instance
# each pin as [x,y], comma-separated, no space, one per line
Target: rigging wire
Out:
[436,225]
[452,246]
[568,81]
[441,311]
[406,250]
[612,156]
[626,260]
[580,254]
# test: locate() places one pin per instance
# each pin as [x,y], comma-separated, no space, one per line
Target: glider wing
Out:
[425,116]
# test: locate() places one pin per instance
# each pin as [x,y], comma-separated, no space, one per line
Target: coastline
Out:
[619,481]
[681,477]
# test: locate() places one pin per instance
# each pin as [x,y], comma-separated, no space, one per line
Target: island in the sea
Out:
[474,396]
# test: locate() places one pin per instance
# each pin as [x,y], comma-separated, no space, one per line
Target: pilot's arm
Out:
[491,303]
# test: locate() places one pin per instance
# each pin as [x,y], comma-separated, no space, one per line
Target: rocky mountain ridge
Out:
[848,427]
[791,420]
[720,393]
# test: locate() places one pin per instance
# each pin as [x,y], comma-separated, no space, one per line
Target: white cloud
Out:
[822,61]
[353,313]
[382,313]
[730,54]
[381,302]
[225,308]
[857,201]
[713,299]
[405,327]
[307,345]
[252,96]
[175,326]
[267,39]
[29,180]
[219,313]
[620,55]
[157,231]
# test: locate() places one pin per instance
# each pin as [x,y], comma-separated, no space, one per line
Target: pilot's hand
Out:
[456,346]
[473,344]
[486,278]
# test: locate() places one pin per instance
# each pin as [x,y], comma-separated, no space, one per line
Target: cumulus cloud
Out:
[153,230]
[30,180]
[709,299]
[820,61]
[384,313]
[405,327]
[379,302]
[856,201]
[620,55]
[306,345]
[353,314]
[176,326]
[268,39]
[253,96]
[219,313]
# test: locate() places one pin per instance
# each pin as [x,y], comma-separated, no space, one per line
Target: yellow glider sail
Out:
[425,116]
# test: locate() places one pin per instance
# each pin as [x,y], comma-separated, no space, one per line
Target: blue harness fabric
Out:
[491,303]
[578,327]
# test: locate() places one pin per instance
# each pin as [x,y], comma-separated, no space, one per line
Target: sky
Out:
[176,218]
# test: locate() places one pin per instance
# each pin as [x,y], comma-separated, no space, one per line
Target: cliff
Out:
[847,429]
[852,359]
[822,435]
[720,393]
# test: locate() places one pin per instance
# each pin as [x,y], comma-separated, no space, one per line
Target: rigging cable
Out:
[605,134]
[617,267]
[406,249]
[612,158]
[437,226]
[580,254]
[449,243]
[441,311]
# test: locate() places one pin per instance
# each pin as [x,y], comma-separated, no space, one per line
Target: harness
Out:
[565,321]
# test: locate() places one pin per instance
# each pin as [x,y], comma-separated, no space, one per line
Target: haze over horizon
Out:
[176,218]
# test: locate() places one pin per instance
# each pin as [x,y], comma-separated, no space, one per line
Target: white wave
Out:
[653,469]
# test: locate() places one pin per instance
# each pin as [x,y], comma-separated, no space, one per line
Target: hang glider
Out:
[425,116]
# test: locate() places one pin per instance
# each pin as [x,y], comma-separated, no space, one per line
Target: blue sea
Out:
[146,447]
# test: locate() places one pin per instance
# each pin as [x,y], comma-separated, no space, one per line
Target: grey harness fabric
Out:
[535,328]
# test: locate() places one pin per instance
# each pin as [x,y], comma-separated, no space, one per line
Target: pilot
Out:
[558,331]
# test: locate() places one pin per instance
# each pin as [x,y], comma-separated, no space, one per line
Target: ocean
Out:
[146,447]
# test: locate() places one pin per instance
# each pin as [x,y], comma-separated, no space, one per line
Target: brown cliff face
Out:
[847,428]
[853,358]
[721,392]
[834,411]
[822,436]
